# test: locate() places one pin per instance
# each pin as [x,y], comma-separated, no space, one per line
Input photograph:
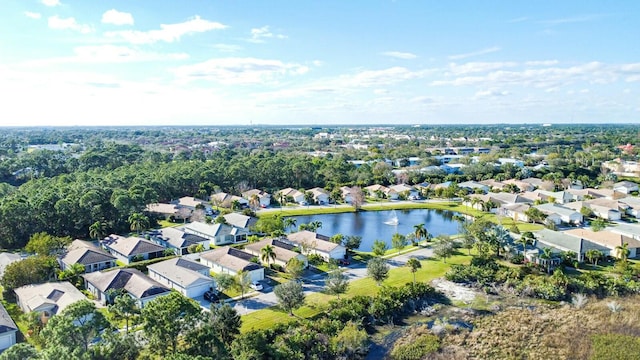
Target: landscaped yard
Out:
[316,303]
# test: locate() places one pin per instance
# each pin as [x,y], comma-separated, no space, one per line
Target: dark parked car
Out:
[344,262]
[211,295]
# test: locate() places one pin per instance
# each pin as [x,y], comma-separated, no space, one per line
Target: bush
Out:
[517,259]
[315,259]
[277,267]
[418,349]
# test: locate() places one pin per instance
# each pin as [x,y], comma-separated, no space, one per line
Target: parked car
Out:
[344,262]
[211,295]
[256,286]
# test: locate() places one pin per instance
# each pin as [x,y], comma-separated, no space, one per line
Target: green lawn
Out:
[316,303]
[312,210]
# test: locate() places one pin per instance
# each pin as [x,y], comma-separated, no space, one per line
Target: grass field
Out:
[317,303]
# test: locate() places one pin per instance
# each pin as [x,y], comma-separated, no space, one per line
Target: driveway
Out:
[315,283]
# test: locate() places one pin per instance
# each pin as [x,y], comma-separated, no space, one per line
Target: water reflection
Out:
[370,224]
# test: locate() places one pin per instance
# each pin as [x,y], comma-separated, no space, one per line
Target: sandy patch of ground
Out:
[454,291]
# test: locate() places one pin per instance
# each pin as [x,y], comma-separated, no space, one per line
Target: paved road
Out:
[316,283]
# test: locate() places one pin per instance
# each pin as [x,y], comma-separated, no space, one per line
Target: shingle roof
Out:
[177,238]
[133,281]
[567,242]
[7,258]
[231,258]
[57,294]
[283,251]
[6,322]
[131,246]
[604,237]
[239,220]
[181,271]
[315,240]
[85,253]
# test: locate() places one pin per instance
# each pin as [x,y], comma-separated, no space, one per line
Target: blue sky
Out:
[73,62]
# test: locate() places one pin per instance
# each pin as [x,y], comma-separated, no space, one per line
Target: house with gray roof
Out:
[7,258]
[314,243]
[283,251]
[88,255]
[217,234]
[129,249]
[8,329]
[188,277]
[49,298]
[565,242]
[177,239]
[560,214]
[240,221]
[106,285]
[228,260]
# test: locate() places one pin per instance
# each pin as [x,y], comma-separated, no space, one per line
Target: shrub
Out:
[517,259]
[418,349]
[315,259]
[614,346]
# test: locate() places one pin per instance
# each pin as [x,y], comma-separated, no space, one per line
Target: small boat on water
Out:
[393,219]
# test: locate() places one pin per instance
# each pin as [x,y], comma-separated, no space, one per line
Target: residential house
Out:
[522,185]
[48,299]
[7,258]
[320,195]
[608,239]
[106,285]
[474,187]
[631,206]
[517,212]
[240,221]
[130,249]
[377,190]
[290,194]
[226,200]
[493,184]
[512,161]
[625,187]
[602,207]
[88,255]
[499,199]
[314,243]
[283,251]
[8,329]
[409,191]
[628,230]
[217,234]
[346,193]
[167,210]
[264,198]
[559,214]
[565,242]
[178,240]
[192,203]
[228,260]
[541,184]
[188,277]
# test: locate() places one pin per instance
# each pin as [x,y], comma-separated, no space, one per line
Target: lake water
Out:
[371,224]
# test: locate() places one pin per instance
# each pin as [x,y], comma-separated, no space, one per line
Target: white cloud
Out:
[490,93]
[112,53]
[317,63]
[239,70]
[116,17]
[32,15]
[51,3]
[227,48]
[542,63]
[571,19]
[59,23]
[259,34]
[475,53]
[400,55]
[475,67]
[168,32]
[379,78]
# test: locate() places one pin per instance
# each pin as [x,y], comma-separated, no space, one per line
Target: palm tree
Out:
[420,232]
[138,222]
[97,230]
[475,201]
[289,222]
[315,225]
[414,265]
[525,239]
[547,254]
[623,252]
[254,201]
[267,253]
[593,255]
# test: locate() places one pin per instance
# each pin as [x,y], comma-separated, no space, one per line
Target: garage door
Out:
[198,290]
[7,340]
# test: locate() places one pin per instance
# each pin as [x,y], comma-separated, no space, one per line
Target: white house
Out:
[604,208]
[293,194]
[410,191]
[227,260]
[106,285]
[129,249]
[625,187]
[608,239]
[226,200]
[320,195]
[8,329]
[347,194]
[631,206]
[176,239]
[560,214]
[49,298]
[188,277]
[377,189]
[264,198]
[87,254]
[473,185]
[314,243]
[7,258]
[192,203]
[240,221]
[283,251]
[217,234]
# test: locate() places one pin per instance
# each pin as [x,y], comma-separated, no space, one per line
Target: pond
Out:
[374,225]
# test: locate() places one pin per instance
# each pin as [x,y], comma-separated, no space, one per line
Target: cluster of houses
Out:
[182,271]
